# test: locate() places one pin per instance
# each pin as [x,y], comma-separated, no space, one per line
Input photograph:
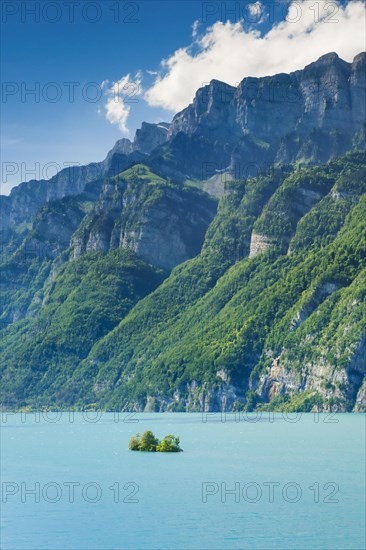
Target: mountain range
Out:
[216,261]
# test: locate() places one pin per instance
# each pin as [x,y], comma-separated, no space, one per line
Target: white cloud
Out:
[255,10]
[256,13]
[228,52]
[195,26]
[121,95]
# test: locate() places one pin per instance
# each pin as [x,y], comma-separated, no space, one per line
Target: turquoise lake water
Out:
[244,482]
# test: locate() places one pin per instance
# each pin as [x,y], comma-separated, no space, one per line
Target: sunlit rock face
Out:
[308,115]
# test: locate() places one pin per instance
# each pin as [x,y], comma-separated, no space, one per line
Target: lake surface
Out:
[242,482]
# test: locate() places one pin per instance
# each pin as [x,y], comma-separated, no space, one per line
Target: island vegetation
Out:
[149,443]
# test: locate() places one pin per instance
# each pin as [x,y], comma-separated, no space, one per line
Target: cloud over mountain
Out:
[229,51]
[120,96]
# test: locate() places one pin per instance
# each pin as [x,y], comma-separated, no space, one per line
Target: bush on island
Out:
[148,442]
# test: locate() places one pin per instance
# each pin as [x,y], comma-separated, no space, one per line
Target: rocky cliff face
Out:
[335,385]
[150,136]
[306,116]
[163,223]
[146,139]
[311,114]
[325,95]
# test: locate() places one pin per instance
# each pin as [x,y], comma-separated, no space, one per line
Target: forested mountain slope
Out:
[270,313]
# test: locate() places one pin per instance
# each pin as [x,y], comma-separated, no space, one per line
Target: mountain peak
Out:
[330,57]
[359,58]
[328,60]
[123,146]
[218,83]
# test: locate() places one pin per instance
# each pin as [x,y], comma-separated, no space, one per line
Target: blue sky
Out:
[80,45]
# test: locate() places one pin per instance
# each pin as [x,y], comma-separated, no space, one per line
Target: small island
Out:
[149,443]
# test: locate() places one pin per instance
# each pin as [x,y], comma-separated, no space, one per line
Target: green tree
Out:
[135,442]
[148,441]
[170,444]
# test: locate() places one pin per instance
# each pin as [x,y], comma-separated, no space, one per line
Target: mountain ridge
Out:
[236,147]
[141,283]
